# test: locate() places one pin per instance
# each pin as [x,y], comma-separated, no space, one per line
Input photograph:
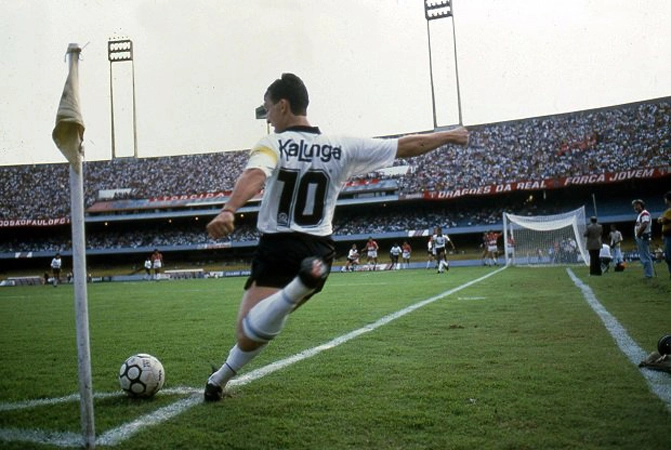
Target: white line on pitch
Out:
[657,381]
[125,431]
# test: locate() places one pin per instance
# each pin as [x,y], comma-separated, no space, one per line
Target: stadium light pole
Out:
[435,10]
[121,50]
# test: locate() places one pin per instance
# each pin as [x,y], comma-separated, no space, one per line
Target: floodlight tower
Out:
[121,50]
[434,10]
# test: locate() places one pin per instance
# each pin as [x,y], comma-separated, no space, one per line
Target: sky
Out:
[201,67]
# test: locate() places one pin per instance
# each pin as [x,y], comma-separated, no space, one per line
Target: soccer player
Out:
[643,234]
[430,252]
[303,172]
[371,253]
[394,254]
[157,263]
[511,248]
[147,268]
[491,243]
[56,264]
[352,259]
[406,251]
[440,242]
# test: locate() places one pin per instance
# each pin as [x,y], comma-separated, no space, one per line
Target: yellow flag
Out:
[69,131]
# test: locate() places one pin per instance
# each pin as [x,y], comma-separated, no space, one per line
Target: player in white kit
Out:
[301,172]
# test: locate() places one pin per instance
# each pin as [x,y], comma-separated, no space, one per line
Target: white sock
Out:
[236,359]
[265,320]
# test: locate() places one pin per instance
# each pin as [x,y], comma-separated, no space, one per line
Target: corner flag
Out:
[69,131]
[68,136]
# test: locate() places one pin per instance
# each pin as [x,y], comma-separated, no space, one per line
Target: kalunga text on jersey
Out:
[306,153]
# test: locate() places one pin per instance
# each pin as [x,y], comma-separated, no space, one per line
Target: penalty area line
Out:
[127,430]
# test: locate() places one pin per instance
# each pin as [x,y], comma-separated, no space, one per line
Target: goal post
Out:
[551,239]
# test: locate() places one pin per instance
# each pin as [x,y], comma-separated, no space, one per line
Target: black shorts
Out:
[278,257]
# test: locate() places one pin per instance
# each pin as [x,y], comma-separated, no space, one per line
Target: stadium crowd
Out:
[607,140]
[193,232]
[594,142]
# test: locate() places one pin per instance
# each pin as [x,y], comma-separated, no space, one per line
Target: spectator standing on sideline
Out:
[665,220]
[616,239]
[56,265]
[301,173]
[593,234]
[643,234]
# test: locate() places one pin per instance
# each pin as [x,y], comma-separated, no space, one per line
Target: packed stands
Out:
[503,165]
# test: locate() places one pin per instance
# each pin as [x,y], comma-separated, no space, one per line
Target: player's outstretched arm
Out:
[418,144]
[249,184]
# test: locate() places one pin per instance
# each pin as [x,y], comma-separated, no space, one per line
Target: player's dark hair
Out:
[292,89]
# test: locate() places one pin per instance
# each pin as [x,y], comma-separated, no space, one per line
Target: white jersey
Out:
[440,241]
[643,223]
[56,263]
[305,173]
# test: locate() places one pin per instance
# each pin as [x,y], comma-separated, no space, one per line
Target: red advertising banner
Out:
[549,183]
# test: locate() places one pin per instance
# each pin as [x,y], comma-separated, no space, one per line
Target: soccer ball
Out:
[664,345]
[141,375]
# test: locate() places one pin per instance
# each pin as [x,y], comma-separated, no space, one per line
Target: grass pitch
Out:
[512,361]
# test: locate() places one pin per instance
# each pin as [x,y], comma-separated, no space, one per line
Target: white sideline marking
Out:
[127,430]
[657,381]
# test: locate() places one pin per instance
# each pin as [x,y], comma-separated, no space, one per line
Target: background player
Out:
[352,259]
[440,242]
[491,243]
[371,253]
[406,252]
[430,253]
[395,254]
[56,264]
[156,263]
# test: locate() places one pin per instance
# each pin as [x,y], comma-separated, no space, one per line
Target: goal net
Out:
[552,239]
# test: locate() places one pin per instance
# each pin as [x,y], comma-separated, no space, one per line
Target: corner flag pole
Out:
[68,136]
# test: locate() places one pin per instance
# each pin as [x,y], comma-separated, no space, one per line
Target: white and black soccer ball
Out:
[141,375]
